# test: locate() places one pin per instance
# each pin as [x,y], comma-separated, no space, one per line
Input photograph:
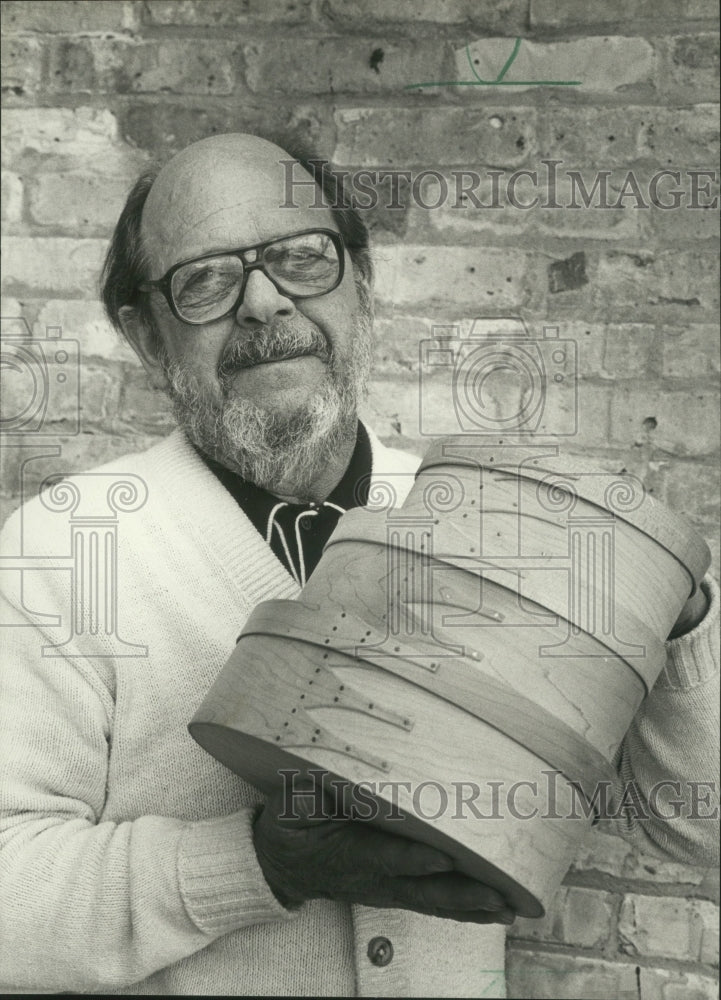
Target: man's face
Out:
[274,386]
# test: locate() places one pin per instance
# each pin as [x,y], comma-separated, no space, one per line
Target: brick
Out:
[12,197]
[688,67]
[143,408]
[668,927]
[55,392]
[162,129]
[469,201]
[513,203]
[211,13]
[692,489]
[70,16]
[709,887]
[591,407]
[628,350]
[42,130]
[696,51]
[681,136]
[693,225]
[546,976]
[709,916]
[99,392]
[690,352]
[575,221]
[502,16]
[674,286]
[612,351]
[48,266]
[85,322]
[181,66]
[576,916]
[458,219]
[664,984]
[398,341]
[611,855]
[341,65]
[565,13]
[38,140]
[10,307]
[600,64]
[20,67]
[605,139]
[602,853]
[614,206]
[77,203]
[476,279]
[685,421]
[34,400]
[503,137]
[393,407]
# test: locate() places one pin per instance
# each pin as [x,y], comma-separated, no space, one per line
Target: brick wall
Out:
[93,91]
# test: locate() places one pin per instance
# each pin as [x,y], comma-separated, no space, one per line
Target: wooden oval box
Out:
[467,663]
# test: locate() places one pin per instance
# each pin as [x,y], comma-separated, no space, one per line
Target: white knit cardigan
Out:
[126,857]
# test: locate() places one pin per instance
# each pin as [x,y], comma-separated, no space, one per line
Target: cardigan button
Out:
[380,951]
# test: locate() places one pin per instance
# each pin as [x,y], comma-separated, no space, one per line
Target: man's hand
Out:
[309,857]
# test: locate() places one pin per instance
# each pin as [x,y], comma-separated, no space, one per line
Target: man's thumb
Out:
[303,803]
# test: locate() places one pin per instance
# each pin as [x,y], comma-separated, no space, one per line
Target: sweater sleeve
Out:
[666,797]
[91,905]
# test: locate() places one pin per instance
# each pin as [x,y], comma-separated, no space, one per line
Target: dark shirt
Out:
[316,521]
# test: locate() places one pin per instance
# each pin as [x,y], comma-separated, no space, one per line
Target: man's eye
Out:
[298,255]
[209,281]
[197,280]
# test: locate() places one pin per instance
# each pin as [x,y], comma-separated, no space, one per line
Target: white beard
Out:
[282,452]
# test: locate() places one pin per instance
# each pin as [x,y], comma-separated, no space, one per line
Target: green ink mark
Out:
[499,81]
[504,70]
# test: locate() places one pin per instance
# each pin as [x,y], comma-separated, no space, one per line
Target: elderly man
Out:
[132,862]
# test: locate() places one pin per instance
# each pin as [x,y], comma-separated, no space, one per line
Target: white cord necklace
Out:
[299,576]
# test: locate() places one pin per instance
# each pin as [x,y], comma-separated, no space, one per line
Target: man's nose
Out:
[262,302]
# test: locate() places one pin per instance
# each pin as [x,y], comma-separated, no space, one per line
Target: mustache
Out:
[277,343]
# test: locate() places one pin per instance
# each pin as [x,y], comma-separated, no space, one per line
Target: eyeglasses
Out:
[301,266]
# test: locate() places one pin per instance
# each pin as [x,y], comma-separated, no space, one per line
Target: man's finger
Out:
[450,892]
[391,855]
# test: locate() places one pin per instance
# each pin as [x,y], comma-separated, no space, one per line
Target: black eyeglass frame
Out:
[164,284]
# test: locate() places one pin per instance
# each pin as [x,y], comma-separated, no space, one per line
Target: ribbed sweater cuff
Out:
[220,879]
[694,658]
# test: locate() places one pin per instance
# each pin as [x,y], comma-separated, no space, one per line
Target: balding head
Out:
[223,192]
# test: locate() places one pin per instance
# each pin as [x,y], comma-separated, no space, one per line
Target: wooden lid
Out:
[623,495]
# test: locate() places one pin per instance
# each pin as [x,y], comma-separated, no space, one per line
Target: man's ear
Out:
[143,340]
